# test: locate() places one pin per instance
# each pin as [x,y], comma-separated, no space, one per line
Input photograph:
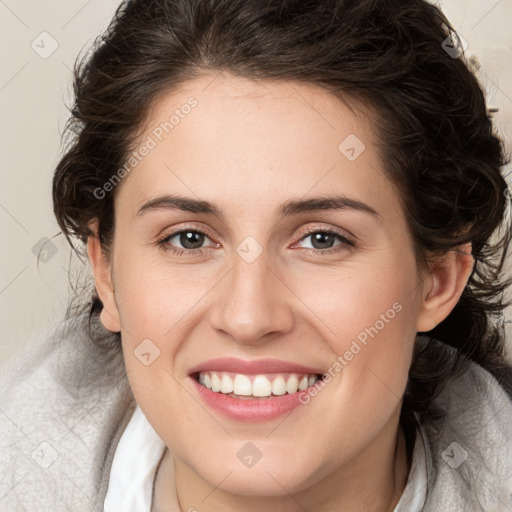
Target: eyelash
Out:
[346,242]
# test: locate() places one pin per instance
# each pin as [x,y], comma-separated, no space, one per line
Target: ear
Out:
[101,267]
[443,286]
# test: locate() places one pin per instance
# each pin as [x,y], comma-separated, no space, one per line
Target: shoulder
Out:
[471,443]
[61,416]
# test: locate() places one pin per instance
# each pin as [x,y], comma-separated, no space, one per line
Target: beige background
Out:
[34,92]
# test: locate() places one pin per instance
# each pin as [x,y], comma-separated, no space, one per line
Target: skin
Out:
[248,147]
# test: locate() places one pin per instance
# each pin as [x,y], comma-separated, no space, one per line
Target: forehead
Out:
[219,136]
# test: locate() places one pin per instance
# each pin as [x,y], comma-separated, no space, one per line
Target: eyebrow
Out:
[288,208]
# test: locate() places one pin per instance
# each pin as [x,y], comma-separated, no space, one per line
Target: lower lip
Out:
[249,410]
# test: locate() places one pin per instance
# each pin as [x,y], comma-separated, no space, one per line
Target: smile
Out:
[252,391]
[241,386]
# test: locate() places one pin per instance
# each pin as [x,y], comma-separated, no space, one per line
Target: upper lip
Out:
[231,364]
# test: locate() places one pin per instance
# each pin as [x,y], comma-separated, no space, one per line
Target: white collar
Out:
[134,467]
[140,449]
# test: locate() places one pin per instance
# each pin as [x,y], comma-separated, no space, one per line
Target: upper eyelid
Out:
[308,231]
[337,231]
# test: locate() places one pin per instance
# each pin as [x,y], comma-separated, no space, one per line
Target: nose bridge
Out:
[253,303]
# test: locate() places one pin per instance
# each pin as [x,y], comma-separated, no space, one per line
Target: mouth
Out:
[252,387]
[254,391]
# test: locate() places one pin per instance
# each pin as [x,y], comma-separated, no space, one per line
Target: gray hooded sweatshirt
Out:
[64,405]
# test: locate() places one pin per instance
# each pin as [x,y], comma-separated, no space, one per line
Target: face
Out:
[263,274]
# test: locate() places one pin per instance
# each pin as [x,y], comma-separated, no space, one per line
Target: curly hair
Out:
[436,137]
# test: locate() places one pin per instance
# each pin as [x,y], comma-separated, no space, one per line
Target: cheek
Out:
[153,297]
[368,319]
[361,301]
[159,309]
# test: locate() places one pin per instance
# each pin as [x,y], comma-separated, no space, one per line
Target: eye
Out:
[191,241]
[322,241]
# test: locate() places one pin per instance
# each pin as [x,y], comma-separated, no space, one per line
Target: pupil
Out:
[194,240]
[323,239]
[191,237]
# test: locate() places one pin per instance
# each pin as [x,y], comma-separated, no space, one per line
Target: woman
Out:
[291,211]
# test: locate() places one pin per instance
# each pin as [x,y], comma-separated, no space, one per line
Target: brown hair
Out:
[436,136]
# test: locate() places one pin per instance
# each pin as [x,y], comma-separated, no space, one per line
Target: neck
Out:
[360,485]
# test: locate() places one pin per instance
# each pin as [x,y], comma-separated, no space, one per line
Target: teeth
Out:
[242,385]
[259,386]
[215,382]
[226,385]
[279,386]
[292,384]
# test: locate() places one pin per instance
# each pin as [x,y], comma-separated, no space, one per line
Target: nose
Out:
[253,303]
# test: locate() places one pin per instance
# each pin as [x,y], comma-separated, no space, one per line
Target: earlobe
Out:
[101,268]
[444,286]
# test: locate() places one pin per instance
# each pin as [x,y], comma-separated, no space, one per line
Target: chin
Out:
[271,478]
